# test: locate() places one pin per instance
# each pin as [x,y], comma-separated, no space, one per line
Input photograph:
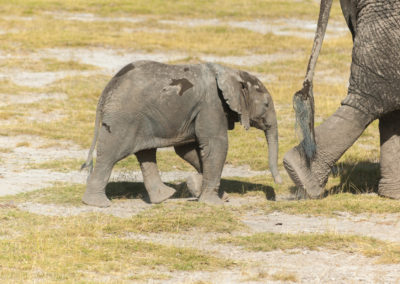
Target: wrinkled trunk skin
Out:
[272,139]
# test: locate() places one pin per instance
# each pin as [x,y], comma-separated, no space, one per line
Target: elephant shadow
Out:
[356,178]
[136,190]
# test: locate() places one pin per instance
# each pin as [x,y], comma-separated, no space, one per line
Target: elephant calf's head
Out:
[248,97]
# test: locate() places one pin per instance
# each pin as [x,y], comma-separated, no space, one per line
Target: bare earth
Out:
[321,266]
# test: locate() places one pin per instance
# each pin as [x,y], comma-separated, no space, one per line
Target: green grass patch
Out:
[387,252]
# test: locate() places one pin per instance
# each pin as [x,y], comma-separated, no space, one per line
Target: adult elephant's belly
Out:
[375,70]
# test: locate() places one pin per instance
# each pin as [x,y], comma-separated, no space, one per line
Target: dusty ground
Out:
[321,266]
[307,266]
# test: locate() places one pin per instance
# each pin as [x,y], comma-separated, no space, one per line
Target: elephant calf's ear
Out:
[234,91]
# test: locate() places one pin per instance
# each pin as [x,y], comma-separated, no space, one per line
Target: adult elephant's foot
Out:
[296,166]
[389,190]
[160,193]
[210,196]
[194,183]
[96,199]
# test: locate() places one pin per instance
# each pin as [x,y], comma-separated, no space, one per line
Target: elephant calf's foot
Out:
[158,194]
[300,173]
[389,190]
[96,199]
[210,196]
[194,184]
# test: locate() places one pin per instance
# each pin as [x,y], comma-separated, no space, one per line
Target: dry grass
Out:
[44,65]
[344,202]
[94,247]
[186,217]
[386,252]
[204,9]
[85,249]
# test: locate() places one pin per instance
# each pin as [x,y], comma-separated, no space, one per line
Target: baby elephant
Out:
[148,105]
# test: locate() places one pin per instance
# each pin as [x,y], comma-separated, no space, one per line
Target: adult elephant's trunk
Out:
[272,139]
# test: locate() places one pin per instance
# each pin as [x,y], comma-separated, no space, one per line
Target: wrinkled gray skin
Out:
[148,105]
[374,93]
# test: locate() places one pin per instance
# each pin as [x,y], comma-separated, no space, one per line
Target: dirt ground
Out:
[322,266]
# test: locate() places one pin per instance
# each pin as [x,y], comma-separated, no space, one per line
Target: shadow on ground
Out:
[355,178]
[133,190]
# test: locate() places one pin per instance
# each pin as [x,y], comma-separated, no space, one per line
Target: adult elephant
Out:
[373,93]
[149,105]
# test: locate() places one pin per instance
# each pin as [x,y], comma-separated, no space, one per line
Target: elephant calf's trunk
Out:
[272,139]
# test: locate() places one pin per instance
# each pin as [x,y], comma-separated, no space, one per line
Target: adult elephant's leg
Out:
[191,154]
[157,190]
[333,137]
[389,128]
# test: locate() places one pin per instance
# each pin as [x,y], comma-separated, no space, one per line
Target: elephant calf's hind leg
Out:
[157,190]
[190,153]
[95,194]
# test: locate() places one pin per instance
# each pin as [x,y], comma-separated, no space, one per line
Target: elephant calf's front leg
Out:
[157,190]
[213,154]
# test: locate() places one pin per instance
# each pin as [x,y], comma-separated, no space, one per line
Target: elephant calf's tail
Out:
[89,160]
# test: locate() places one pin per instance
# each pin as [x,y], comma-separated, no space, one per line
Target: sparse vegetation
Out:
[345,202]
[60,193]
[97,247]
[44,65]
[387,252]
[84,249]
